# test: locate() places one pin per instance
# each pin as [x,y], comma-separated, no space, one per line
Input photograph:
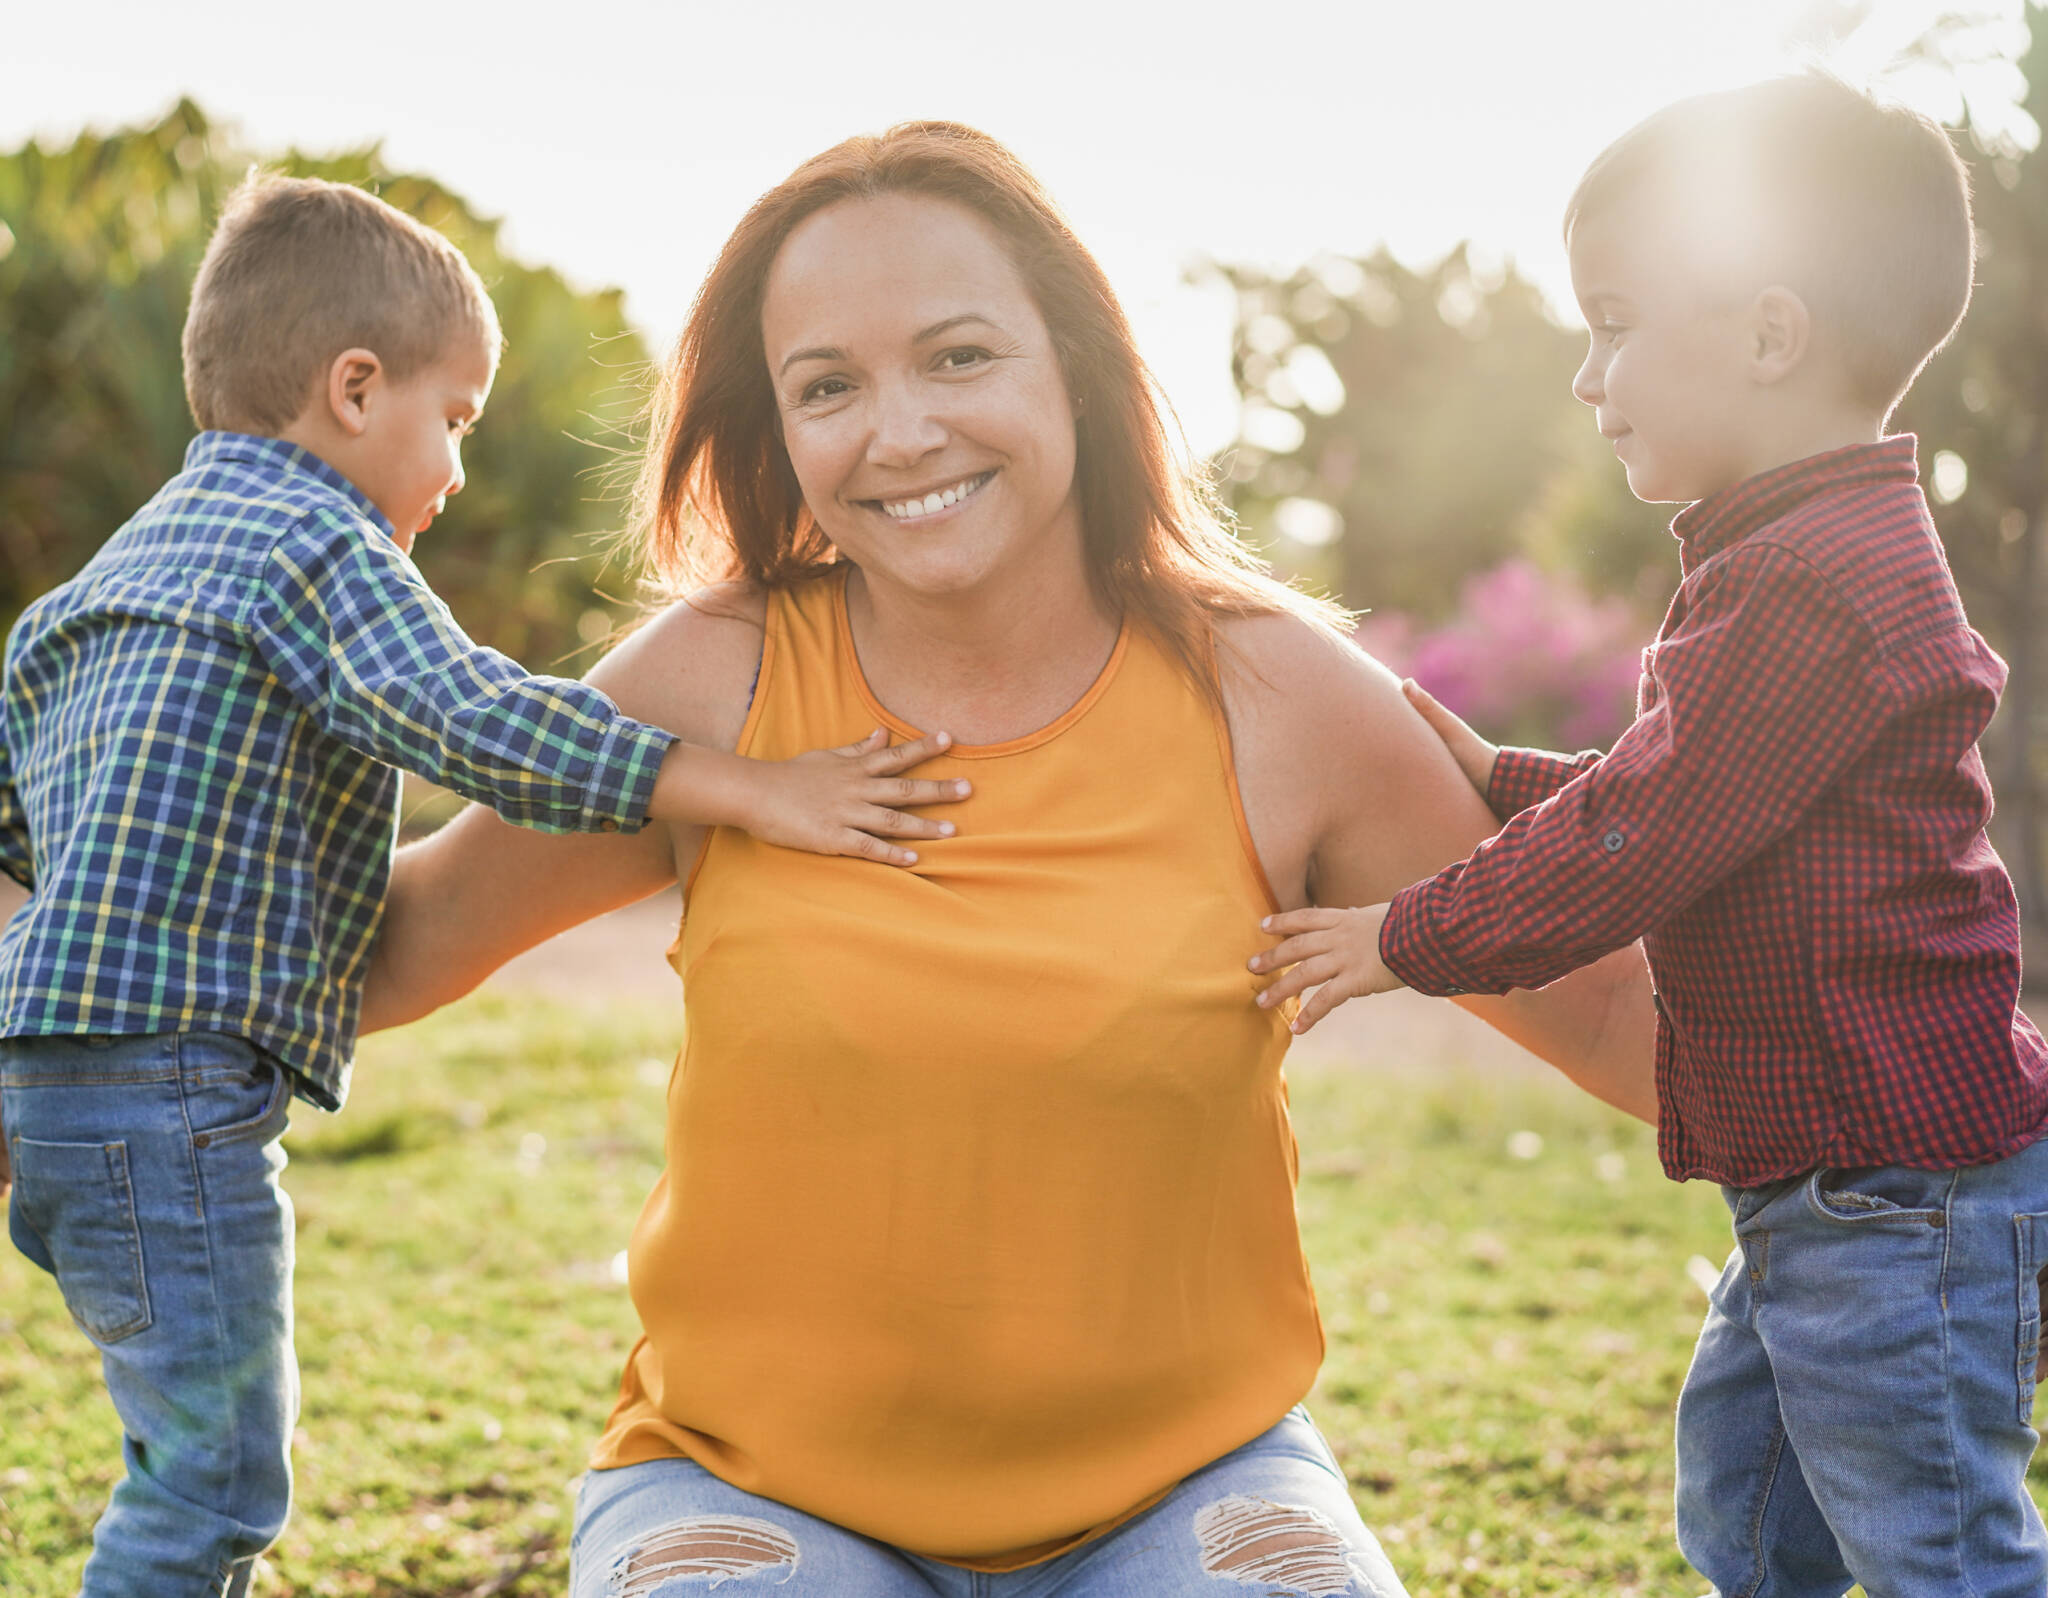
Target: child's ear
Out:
[1781,331]
[353,378]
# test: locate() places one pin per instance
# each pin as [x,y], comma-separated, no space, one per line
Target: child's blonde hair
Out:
[299,270]
[1864,205]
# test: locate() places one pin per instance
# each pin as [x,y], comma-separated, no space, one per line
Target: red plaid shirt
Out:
[1794,826]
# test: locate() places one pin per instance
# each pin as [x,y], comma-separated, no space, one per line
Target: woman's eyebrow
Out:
[822,352]
[924,335]
[937,329]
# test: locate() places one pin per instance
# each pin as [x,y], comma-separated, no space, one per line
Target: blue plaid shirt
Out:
[197,739]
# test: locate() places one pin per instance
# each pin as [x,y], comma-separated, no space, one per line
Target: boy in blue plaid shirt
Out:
[197,742]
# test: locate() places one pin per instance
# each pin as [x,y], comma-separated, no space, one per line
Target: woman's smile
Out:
[931,502]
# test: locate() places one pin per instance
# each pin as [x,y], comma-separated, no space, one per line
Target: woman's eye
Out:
[825,388]
[962,359]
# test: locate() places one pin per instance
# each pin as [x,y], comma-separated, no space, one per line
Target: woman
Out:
[974,1267]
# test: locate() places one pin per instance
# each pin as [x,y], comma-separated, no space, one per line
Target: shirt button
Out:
[1452,993]
[1613,841]
[607,825]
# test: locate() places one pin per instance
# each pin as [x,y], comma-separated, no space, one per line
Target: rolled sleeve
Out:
[1410,948]
[1524,778]
[351,630]
[623,776]
[1765,692]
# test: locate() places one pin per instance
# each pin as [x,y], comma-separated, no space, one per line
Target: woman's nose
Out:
[905,429]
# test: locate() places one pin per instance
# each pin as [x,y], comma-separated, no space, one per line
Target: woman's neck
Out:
[987,665]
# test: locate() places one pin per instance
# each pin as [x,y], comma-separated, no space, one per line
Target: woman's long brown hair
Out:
[717,499]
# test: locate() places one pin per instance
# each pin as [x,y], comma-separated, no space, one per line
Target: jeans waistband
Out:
[115,1058]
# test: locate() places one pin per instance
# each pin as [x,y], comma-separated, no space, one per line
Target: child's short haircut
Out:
[300,270]
[1862,207]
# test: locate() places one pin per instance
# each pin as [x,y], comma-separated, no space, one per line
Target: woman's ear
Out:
[1781,332]
[354,378]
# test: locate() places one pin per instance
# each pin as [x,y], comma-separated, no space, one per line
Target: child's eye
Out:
[461,428]
[1609,332]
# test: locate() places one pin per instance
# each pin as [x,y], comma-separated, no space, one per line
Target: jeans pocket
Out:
[2031,1236]
[1881,1194]
[237,1106]
[78,1200]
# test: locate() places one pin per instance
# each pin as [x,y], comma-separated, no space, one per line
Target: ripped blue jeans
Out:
[1272,1519]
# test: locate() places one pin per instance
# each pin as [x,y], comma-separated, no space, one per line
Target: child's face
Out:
[1664,369]
[412,460]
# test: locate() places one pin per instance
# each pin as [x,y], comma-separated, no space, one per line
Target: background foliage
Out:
[99,242]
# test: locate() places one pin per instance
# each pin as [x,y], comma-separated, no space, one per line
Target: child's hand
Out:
[847,800]
[1474,755]
[1338,948]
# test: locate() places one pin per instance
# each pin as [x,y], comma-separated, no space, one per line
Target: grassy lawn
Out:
[1501,1266]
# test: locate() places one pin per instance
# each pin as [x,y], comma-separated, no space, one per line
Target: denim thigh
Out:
[669,1526]
[1274,1516]
[146,1182]
[1859,1403]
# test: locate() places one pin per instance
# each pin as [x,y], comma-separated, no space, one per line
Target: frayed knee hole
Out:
[712,1550]
[1273,1545]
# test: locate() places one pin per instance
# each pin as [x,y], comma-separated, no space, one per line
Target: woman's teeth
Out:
[937,500]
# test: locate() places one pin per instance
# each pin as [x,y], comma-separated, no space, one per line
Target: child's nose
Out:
[1589,386]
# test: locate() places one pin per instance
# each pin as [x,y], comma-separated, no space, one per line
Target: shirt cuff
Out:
[622,781]
[1524,778]
[1411,950]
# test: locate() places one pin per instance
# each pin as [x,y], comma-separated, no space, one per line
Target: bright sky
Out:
[621,139]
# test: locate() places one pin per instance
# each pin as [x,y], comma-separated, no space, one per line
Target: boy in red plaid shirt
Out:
[1794,827]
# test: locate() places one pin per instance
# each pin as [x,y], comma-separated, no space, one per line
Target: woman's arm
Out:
[480,890]
[1351,797]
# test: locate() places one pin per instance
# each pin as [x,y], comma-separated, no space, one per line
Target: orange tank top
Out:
[977,1228]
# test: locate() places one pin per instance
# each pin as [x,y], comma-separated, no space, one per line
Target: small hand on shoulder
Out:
[1336,952]
[1474,755]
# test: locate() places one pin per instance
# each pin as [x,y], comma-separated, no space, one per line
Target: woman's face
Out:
[922,404]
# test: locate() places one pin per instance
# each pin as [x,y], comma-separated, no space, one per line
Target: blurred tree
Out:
[1529,656]
[1981,410]
[99,242]
[1405,429]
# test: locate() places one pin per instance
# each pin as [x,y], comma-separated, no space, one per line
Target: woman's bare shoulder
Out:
[1327,696]
[1351,776]
[690,667]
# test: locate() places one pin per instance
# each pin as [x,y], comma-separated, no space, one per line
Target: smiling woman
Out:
[975,1267]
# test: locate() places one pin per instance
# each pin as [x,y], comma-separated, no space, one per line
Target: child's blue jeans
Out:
[145,1181]
[1858,1406]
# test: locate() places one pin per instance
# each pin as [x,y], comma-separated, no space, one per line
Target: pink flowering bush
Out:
[1528,658]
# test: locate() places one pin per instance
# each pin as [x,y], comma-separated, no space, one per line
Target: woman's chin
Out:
[934,572]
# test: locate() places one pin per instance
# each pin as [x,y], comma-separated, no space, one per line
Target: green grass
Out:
[1509,1319]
